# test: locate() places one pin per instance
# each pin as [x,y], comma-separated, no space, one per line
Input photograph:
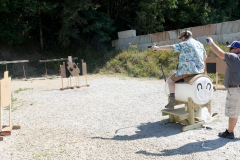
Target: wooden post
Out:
[10,109]
[171,118]
[62,81]
[24,72]
[191,111]
[59,69]
[46,68]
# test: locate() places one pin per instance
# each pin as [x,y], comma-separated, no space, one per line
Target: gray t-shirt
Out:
[232,73]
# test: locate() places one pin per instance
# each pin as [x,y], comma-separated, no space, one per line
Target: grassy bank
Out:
[146,63]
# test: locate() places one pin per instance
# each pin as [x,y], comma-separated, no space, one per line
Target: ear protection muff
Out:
[186,35]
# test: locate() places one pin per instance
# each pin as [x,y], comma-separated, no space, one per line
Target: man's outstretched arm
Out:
[218,51]
[166,48]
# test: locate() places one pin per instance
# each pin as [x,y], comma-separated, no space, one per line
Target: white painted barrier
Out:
[224,32]
[127,34]
[117,42]
[200,90]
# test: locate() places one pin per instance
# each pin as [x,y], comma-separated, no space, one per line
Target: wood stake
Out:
[10,108]
[24,72]
[46,68]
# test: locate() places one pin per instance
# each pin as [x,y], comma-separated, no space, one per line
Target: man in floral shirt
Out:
[191,61]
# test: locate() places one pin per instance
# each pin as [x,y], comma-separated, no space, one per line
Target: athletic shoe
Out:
[226,134]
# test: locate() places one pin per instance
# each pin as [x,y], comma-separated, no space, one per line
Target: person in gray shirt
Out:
[232,82]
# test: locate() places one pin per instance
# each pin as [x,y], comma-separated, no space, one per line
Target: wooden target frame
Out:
[74,70]
[18,61]
[220,68]
[5,100]
[54,60]
[83,71]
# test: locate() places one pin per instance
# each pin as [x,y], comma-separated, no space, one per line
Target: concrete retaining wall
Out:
[220,33]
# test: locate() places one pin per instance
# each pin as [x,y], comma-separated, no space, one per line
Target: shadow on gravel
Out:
[192,147]
[148,130]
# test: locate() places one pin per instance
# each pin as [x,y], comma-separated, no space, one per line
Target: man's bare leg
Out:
[231,124]
[172,102]
[171,86]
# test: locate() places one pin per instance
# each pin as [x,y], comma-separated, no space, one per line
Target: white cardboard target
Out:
[5,94]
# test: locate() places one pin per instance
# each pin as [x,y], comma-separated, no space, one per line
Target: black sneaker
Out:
[226,134]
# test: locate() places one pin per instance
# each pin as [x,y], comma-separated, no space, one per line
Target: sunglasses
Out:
[232,48]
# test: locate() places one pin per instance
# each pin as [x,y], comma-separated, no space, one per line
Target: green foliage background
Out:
[88,23]
[85,28]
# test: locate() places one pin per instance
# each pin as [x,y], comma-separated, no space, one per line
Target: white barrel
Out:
[199,88]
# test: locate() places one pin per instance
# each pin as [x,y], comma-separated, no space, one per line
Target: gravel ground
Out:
[115,118]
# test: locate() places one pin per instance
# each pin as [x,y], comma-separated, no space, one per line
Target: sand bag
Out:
[204,115]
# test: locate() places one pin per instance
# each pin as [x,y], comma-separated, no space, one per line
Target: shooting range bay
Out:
[116,118]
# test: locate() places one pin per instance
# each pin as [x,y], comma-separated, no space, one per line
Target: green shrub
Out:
[146,63]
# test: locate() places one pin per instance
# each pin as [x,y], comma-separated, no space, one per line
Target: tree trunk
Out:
[40,29]
[108,10]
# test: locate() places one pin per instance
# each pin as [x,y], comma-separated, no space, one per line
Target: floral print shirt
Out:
[190,57]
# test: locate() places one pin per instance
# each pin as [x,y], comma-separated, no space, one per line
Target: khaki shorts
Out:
[232,108]
[174,79]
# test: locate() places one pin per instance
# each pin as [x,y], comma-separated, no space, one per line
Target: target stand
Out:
[186,115]
[74,70]
[5,99]
[83,71]
[198,90]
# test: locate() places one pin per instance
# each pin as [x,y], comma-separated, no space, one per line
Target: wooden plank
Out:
[164,114]
[18,61]
[220,88]
[63,70]
[211,59]
[52,60]
[86,85]
[181,102]
[193,126]
[16,127]
[185,122]
[175,112]
[84,69]
[6,131]
[164,121]
[66,88]
[220,66]
[183,117]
